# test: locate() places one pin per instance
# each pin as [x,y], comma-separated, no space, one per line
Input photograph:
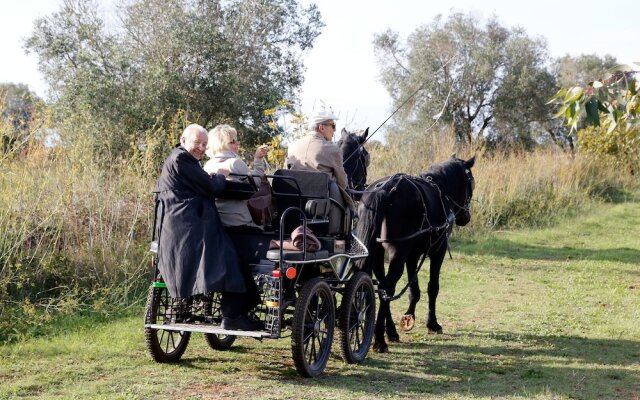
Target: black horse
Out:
[355,160]
[411,218]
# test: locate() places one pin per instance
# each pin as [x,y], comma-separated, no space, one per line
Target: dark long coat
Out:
[195,255]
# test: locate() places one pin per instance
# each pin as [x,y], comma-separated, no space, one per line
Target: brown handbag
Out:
[261,204]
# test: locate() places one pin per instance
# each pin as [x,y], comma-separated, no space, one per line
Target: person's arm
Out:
[192,175]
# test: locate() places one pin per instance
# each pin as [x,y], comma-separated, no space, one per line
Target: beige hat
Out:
[321,117]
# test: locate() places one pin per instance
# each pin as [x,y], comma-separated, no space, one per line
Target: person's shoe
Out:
[241,323]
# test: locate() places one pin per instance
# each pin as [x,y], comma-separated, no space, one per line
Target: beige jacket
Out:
[234,212]
[314,153]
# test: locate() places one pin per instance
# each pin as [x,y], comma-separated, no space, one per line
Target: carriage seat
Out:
[309,191]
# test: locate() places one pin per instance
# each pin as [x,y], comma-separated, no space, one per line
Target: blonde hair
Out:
[220,139]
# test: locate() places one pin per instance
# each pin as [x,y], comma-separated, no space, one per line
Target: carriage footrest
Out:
[207,329]
[293,255]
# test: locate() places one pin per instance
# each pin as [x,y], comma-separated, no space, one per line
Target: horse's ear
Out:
[366,133]
[469,163]
[343,132]
[453,155]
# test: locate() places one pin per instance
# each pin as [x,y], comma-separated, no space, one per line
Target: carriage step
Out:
[207,329]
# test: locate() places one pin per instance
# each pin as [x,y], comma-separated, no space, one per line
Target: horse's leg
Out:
[409,318]
[379,343]
[397,258]
[434,287]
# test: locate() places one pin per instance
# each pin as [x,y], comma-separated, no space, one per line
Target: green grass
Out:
[540,314]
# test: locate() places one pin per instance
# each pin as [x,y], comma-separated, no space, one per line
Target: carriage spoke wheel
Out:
[314,320]
[218,341]
[164,346]
[357,318]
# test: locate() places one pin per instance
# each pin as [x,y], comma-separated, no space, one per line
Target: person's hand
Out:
[221,171]
[261,152]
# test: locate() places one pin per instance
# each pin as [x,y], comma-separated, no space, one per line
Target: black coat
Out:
[195,255]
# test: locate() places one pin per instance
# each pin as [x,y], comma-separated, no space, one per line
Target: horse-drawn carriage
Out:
[310,292]
[410,216]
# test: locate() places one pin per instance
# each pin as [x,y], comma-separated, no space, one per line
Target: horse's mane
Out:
[438,172]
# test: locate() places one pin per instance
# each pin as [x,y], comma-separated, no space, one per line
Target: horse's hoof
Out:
[407,322]
[393,337]
[380,348]
[434,331]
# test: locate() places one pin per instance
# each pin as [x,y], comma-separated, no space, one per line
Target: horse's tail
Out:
[370,217]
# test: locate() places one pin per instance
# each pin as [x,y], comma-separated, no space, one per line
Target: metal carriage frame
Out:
[299,292]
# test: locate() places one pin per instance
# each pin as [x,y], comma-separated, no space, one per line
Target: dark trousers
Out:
[235,304]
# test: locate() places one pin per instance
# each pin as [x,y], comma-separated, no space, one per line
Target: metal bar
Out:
[207,329]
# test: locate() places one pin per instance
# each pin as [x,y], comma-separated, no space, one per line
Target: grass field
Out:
[540,314]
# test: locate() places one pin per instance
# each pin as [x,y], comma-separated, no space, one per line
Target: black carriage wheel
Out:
[357,318]
[219,341]
[163,345]
[314,320]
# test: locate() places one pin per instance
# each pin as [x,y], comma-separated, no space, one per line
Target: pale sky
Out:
[341,68]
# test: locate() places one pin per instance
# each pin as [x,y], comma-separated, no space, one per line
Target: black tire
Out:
[357,318]
[312,328]
[218,341]
[164,346]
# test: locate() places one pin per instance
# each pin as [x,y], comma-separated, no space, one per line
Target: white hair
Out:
[191,130]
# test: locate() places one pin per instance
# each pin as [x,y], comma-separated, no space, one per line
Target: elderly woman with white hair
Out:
[223,153]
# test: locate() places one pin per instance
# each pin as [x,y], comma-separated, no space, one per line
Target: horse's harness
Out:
[417,183]
[444,229]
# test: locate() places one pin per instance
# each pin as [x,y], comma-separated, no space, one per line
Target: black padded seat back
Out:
[311,184]
[294,188]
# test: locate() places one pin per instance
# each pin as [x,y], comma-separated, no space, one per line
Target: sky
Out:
[341,70]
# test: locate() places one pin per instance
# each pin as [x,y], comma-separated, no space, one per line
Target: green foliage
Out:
[483,80]
[612,107]
[620,146]
[220,61]
[21,112]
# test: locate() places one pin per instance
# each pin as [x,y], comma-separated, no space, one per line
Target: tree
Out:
[219,60]
[579,71]
[487,81]
[20,109]
[611,106]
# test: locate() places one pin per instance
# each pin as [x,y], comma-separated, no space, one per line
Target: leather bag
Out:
[261,204]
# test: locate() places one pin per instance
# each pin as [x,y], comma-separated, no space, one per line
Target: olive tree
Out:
[487,81]
[215,60]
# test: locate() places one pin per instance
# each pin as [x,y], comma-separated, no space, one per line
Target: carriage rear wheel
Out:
[163,345]
[357,318]
[314,320]
[219,342]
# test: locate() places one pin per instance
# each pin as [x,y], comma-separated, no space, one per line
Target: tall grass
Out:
[73,236]
[75,220]
[513,189]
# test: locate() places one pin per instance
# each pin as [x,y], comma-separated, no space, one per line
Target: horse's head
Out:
[456,181]
[355,158]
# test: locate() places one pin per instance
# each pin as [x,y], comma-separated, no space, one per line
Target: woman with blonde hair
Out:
[223,153]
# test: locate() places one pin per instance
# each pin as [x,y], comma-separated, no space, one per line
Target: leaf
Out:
[559,94]
[591,107]
[573,94]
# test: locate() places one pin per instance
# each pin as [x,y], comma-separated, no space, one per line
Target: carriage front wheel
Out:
[357,318]
[219,341]
[314,320]
[164,346]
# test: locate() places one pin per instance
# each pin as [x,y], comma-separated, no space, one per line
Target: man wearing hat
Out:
[317,152]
